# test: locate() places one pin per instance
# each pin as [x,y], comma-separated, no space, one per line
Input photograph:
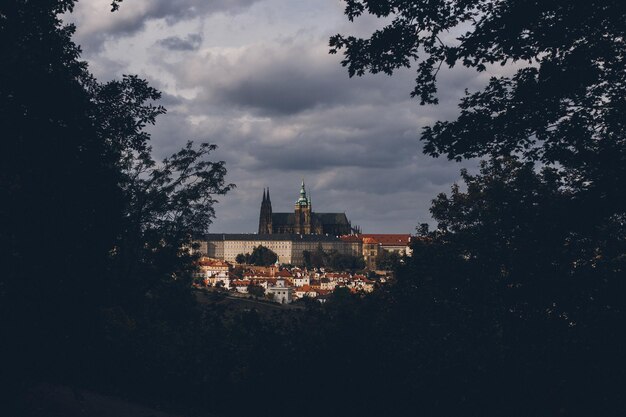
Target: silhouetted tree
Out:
[344,262]
[306,256]
[263,256]
[508,273]
[237,272]
[333,259]
[94,230]
[520,275]
[168,204]
[256,290]
[387,260]
[62,204]
[565,108]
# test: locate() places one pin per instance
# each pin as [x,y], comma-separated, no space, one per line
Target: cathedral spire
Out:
[303,200]
[265,216]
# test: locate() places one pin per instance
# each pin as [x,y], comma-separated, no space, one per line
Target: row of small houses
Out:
[282,285]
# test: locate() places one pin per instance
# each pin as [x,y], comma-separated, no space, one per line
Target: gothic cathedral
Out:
[302,220]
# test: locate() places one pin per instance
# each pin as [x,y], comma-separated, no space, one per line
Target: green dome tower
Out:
[303,213]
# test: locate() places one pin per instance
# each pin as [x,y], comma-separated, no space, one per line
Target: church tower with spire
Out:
[303,213]
[302,220]
[265,218]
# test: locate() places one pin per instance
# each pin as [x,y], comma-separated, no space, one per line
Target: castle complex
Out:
[289,235]
[288,247]
[303,220]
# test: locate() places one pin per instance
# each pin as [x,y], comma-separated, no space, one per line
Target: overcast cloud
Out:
[255,78]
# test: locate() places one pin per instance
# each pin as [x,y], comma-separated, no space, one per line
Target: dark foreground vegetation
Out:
[512,306]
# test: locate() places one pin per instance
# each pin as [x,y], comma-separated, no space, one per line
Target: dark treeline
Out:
[260,256]
[513,305]
[332,259]
[91,227]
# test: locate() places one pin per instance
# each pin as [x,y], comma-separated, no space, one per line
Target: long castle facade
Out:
[303,220]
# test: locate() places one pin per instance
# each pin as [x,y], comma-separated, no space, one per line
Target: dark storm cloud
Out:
[422,174]
[99,24]
[171,11]
[174,43]
[299,75]
[293,79]
[390,197]
[280,110]
[284,92]
[356,144]
[392,200]
[313,151]
[283,112]
[170,100]
[175,10]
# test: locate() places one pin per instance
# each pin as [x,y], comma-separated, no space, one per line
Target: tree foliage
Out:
[565,107]
[263,256]
[345,262]
[516,286]
[260,256]
[91,224]
[242,258]
[525,287]
[59,184]
[256,290]
[519,228]
[333,260]
[388,260]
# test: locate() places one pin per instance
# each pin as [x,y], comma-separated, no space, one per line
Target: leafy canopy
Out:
[261,256]
[565,105]
[520,277]
[90,221]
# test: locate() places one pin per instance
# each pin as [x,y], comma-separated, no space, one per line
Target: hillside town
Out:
[283,284]
[310,255]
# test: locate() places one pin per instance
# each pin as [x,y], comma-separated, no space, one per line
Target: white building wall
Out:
[288,251]
[283,295]
[232,248]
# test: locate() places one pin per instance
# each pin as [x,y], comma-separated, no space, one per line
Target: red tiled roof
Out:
[262,275]
[388,239]
[212,262]
[338,275]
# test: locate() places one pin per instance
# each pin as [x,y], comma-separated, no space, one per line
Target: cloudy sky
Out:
[255,78]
